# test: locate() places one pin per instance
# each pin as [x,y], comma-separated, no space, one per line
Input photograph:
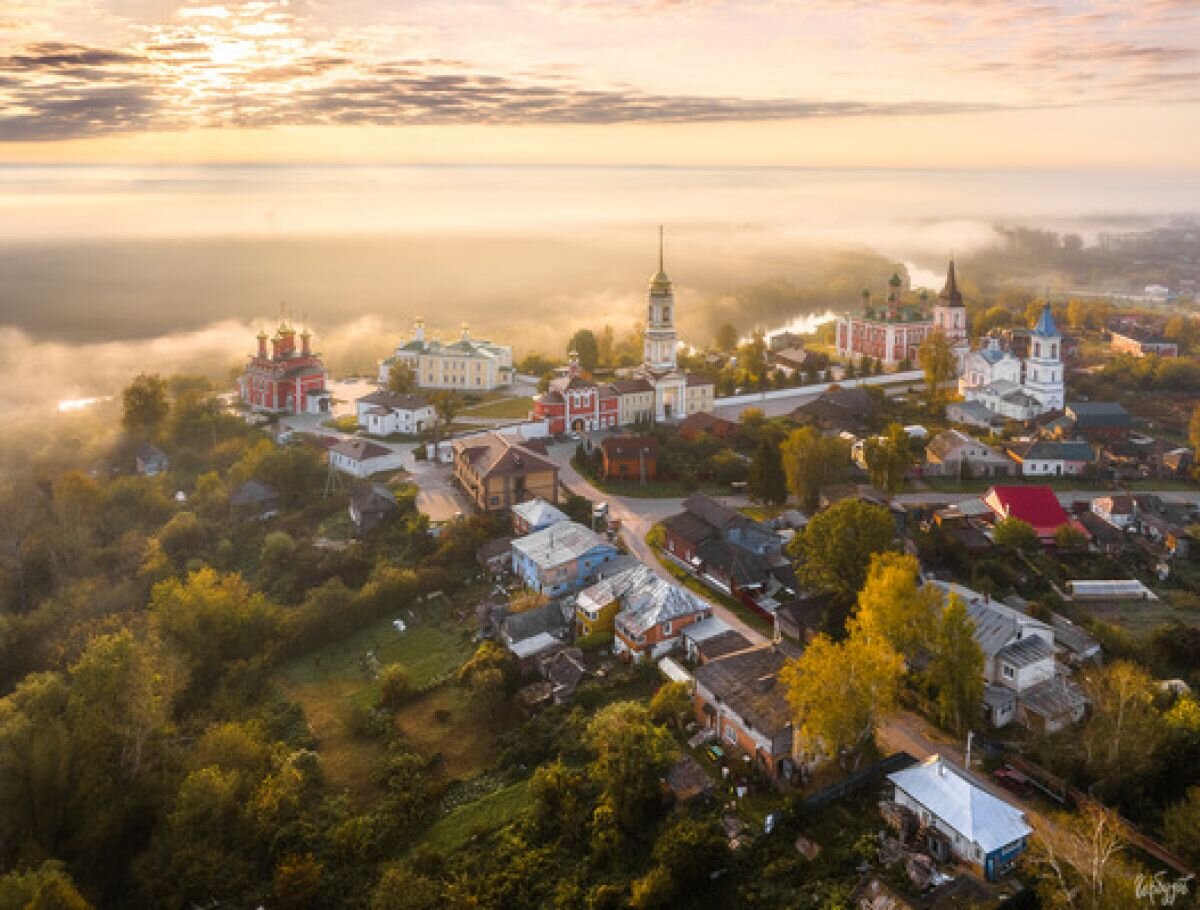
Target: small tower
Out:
[262,344]
[659,340]
[1044,366]
[950,315]
[573,368]
[419,329]
[466,332]
[866,302]
[305,342]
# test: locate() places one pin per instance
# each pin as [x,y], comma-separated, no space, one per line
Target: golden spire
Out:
[660,248]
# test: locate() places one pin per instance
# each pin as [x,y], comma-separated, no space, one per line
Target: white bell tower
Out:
[660,339]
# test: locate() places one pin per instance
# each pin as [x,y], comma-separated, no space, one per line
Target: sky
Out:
[1073,84]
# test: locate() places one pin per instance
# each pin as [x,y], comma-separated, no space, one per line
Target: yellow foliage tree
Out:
[893,608]
[839,693]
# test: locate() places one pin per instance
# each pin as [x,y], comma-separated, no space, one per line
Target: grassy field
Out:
[329,682]
[1140,617]
[486,814]
[440,723]
[516,408]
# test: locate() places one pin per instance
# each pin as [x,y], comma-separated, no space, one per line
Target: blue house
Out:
[960,820]
[561,559]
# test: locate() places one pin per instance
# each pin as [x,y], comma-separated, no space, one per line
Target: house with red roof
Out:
[1037,506]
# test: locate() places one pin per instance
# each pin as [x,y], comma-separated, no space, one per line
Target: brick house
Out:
[740,698]
[629,458]
[496,472]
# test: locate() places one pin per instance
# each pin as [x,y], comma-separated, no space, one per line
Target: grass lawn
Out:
[516,408]
[655,489]
[440,723]
[483,815]
[328,682]
[1139,617]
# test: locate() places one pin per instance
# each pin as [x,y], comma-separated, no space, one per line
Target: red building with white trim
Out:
[575,403]
[286,379]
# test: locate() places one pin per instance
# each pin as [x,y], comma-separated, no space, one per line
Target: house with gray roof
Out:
[952,453]
[561,559]
[535,515]
[1049,458]
[959,819]
[1022,680]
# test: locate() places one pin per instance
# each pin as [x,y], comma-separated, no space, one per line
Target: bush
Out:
[595,641]
[395,686]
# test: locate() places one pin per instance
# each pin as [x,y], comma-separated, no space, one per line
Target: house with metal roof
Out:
[740,698]
[468,364]
[652,616]
[362,458]
[1037,506]
[1049,458]
[535,515]
[385,412]
[561,559]
[1022,680]
[498,472]
[952,453]
[960,819]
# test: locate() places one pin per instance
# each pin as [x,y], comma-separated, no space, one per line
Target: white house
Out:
[1022,680]
[1120,510]
[385,412]
[1047,458]
[362,458]
[469,364]
[961,819]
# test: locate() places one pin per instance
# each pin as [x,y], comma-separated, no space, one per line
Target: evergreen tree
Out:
[767,482]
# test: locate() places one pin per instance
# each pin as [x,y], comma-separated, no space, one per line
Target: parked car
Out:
[1013,780]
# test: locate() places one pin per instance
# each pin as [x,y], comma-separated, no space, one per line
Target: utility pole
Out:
[970,737]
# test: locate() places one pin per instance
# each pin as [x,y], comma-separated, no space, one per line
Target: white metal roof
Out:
[674,671]
[559,543]
[528,647]
[538,513]
[1111,589]
[707,628]
[970,810]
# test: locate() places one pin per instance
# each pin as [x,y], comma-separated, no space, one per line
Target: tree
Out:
[839,692]
[297,881]
[607,345]
[1194,429]
[1079,858]
[937,360]
[811,461]
[957,668]
[632,756]
[402,379]
[585,345]
[48,887]
[212,619]
[446,404]
[1125,726]
[893,608]
[889,458]
[395,686]
[671,704]
[834,551]
[726,338]
[1181,825]
[767,482]
[1014,534]
[1067,539]
[145,405]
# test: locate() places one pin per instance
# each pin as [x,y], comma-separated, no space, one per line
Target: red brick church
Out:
[286,379]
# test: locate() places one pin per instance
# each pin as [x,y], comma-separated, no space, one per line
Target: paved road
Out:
[637,517]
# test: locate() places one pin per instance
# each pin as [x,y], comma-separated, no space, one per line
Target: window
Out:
[666,628]
[730,732]
[1009,672]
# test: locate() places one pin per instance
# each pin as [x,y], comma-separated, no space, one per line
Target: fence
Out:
[1063,792]
[817,388]
[897,761]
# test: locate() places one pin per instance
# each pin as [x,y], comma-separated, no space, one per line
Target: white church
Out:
[1017,388]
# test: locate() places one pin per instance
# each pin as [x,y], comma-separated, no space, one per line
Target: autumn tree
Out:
[48,887]
[812,461]
[144,404]
[1125,726]
[889,458]
[939,365]
[956,671]
[839,693]
[632,756]
[446,404]
[1080,862]
[1194,429]
[395,685]
[671,704]
[767,482]
[894,607]
[402,379]
[834,551]
[1015,534]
